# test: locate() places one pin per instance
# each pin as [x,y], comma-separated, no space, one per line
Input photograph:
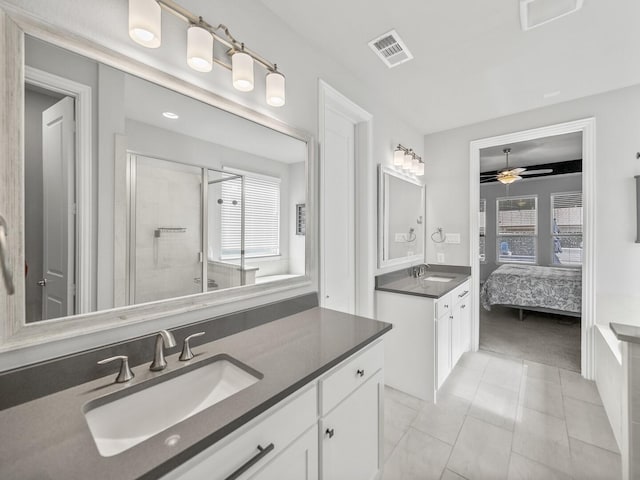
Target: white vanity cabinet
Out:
[347,401]
[428,338]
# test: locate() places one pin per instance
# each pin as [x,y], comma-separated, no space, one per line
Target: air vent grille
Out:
[391,49]
[534,13]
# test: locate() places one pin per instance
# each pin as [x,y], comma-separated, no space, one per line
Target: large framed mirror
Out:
[141,196]
[400,218]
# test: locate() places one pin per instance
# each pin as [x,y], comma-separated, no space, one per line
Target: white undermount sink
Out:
[129,419]
[438,278]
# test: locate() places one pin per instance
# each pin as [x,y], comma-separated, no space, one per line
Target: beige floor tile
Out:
[503,372]
[404,398]
[495,405]
[543,396]
[397,418]
[521,468]
[589,423]
[449,475]
[461,383]
[541,372]
[476,361]
[481,452]
[444,419]
[574,386]
[594,463]
[417,457]
[542,438]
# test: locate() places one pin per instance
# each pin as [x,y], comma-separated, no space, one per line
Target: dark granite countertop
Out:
[401,281]
[48,438]
[626,333]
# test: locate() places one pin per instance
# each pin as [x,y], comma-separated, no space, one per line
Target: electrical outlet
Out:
[440,257]
[452,238]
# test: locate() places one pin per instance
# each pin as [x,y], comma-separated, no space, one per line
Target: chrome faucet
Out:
[164,338]
[418,271]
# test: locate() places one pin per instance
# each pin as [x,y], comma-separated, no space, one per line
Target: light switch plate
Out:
[452,238]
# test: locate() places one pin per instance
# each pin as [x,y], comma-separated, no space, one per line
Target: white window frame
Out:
[551,202]
[270,178]
[534,235]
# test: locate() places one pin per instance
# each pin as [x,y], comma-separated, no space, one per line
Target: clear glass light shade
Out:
[420,170]
[145,18]
[242,71]
[199,49]
[275,89]
[398,157]
[408,161]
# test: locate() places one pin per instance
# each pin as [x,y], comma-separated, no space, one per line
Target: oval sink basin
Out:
[438,278]
[129,417]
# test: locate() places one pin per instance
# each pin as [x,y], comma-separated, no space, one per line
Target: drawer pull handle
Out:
[463,294]
[450,317]
[446,306]
[251,462]
[330,432]
[463,306]
[360,373]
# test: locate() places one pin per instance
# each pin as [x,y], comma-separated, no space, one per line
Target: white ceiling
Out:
[145,102]
[472,61]
[558,148]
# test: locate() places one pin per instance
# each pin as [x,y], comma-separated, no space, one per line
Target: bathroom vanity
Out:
[313,409]
[431,315]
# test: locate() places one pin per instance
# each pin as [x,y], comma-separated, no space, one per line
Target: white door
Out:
[338,214]
[58,168]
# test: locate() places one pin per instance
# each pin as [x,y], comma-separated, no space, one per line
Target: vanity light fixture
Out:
[145,18]
[405,159]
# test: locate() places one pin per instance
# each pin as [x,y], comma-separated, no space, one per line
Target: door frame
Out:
[588,128]
[364,186]
[83,177]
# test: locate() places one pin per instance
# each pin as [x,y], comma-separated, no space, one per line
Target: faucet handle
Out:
[187,354]
[125,372]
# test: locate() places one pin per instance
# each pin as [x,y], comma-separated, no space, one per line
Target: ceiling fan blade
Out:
[517,171]
[537,172]
[488,175]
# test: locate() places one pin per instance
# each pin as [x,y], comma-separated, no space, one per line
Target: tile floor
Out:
[501,418]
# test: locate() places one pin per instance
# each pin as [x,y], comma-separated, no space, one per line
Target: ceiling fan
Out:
[509,175]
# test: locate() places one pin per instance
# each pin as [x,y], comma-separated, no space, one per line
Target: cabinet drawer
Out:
[350,375]
[461,292]
[443,305]
[280,428]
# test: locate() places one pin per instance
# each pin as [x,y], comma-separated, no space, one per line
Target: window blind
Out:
[517,229]
[262,216]
[566,228]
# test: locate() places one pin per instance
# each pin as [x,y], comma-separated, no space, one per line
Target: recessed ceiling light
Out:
[170,115]
[552,94]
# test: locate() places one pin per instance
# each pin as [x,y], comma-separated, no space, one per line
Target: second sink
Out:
[129,417]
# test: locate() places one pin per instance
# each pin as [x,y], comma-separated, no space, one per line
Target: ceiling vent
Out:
[534,13]
[391,49]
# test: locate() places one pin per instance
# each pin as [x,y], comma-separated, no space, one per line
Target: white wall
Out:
[617,116]
[302,63]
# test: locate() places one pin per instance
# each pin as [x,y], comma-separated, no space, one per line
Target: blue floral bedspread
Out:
[534,286]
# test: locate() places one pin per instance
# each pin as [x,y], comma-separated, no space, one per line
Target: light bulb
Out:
[145,19]
[242,71]
[275,89]
[398,157]
[199,49]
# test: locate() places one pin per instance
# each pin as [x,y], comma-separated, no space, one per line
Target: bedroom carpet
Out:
[544,338]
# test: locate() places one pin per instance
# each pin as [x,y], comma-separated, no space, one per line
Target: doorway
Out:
[587,303]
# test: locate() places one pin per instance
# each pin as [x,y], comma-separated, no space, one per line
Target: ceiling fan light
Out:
[508,179]
[242,71]
[199,49]
[145,19]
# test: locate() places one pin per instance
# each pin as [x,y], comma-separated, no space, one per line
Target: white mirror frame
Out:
[383,219]
[14,333]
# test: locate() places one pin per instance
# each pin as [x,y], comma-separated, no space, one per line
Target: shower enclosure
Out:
[185,229]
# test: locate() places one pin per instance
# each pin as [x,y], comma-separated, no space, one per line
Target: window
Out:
[482,222]
[517,229]
[566,228]
[262,216]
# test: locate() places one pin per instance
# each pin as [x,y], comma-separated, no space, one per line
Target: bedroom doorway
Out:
[532,262]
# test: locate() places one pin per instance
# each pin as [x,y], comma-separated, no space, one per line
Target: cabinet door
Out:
[443,327]
[351,435]
[298,462]
[465,323]
[456,335]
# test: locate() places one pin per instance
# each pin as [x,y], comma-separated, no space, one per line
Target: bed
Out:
[531,287]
